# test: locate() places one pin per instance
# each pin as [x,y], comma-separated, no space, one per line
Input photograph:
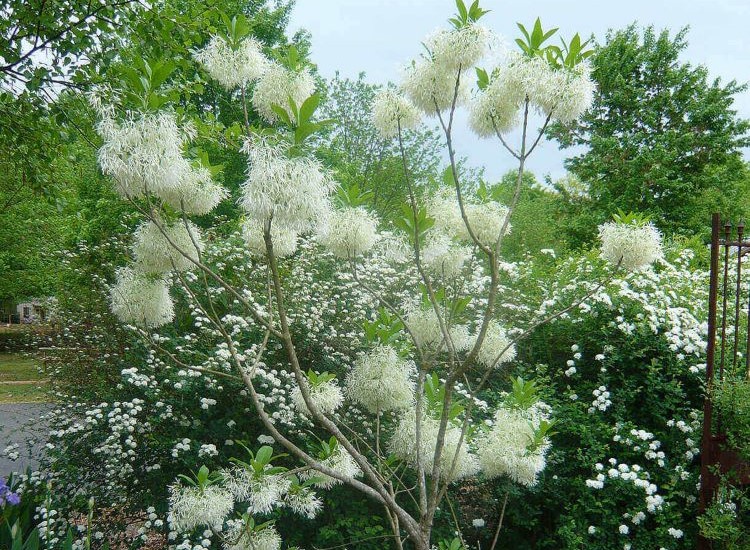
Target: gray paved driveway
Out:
[19,423]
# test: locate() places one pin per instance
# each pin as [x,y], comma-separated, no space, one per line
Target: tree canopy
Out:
[661,137]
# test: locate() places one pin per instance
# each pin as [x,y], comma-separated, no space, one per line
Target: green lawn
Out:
[23,393]
[16,367]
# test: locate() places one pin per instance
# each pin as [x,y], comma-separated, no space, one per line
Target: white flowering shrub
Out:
[362,357]
[623,372]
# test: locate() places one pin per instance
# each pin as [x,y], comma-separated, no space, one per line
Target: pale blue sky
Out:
[380,36]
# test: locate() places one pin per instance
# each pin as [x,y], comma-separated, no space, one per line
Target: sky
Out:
[381,36]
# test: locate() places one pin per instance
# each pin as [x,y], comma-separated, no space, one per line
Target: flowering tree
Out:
[400,418]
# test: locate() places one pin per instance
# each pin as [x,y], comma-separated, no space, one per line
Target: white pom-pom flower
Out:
[349,232]
[141,299]
[496,347]
[143,153]
[444,257]
[239,537]
[294,192]
[392,112]
[633,245]
[196,193]
[404,445]
[505,448]
[458,48]
[325,393]
[381,381]
[261,492]
[431,86]
[486,221]
[233,67]
[341,462]
[157,252]
[284,241]
[276,86]
[190,507]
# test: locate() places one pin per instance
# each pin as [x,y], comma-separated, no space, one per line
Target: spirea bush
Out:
[623,372]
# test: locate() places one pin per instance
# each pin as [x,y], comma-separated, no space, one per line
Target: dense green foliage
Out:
[661,138]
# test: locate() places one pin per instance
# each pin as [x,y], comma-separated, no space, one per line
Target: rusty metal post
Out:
[708,480]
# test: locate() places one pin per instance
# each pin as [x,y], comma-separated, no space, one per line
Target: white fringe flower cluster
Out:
[232,67]
[340,462]
[392,112]
[496,108]
[404,445]
[496,347]
[562,94]
[631,245]
[294,192]
[444,209]
[431,86]
[156,252]
[190,507]
[381,381]
[284,241]
[486,221]
[349,232]
[444,257]
[276,86]
[425,329]
[140,299]
[437,81]
[238,537]
[505,448]
[459,48]
[196,193]
[143,154]
[261,492]
[327,397]
[303,501]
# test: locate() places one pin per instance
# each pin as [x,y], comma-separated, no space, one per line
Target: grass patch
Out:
[23,393]
[17,367]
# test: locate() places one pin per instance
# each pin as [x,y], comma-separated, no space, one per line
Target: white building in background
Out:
[36,311]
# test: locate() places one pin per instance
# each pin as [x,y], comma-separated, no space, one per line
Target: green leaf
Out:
[161,73]
[293,107]
[462,13]
[525,33]
[537,34]
[308,108]
[264,454]
[283,115]
[203,476]
[483,79]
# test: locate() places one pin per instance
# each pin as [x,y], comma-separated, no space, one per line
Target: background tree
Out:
[361,157]
[661,137]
